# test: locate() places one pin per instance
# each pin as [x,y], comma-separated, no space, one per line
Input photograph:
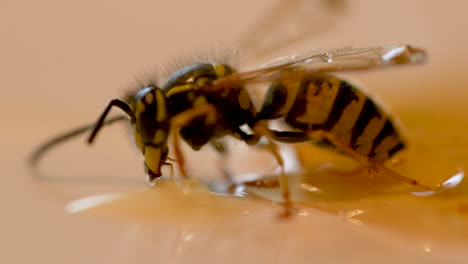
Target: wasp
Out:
[204,102]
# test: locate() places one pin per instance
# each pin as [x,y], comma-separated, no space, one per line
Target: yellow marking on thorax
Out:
[219,69]
[161,114]
[319,106]
[153,158]
[343,128]
[210,118]
[364,141]
[180,89]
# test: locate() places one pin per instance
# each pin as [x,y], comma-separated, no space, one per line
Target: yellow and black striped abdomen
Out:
[327,103]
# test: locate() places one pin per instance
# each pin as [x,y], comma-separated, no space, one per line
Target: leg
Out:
[118,103]
[365,161]
[181,120]
[320,135]
[261,129]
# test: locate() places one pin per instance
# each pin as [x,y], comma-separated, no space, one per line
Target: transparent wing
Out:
[340,60]
[287,22]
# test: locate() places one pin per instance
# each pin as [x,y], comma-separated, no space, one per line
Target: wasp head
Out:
[151,128]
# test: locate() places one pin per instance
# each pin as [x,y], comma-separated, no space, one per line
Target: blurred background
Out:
[62,61]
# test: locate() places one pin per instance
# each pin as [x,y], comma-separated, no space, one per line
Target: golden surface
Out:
[61,64]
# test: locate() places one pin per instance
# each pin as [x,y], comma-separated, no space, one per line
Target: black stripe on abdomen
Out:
[368,112]
[386,130]
[395,149]
[345,96]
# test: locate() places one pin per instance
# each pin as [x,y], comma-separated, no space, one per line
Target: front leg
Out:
[200,108]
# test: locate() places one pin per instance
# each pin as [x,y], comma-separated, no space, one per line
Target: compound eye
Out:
[150,115]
